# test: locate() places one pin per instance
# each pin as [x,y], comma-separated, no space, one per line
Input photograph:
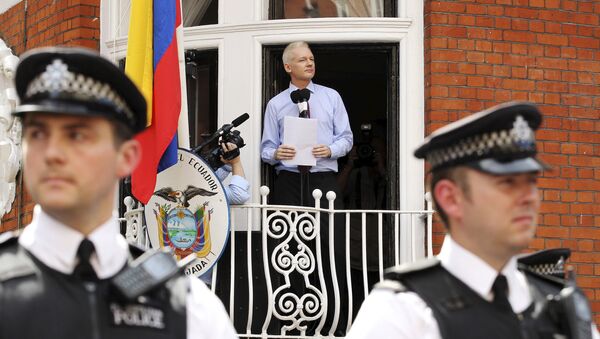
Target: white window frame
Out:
[240,37]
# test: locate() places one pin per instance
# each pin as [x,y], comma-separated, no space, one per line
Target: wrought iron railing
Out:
[302,272]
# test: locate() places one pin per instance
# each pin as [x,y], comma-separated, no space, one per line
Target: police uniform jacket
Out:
[389,314]
[52,248]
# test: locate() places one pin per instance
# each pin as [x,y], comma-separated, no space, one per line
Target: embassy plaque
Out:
[189,213]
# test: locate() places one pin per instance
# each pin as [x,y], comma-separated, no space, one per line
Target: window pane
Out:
[294,9]
[200,12]
[201,78]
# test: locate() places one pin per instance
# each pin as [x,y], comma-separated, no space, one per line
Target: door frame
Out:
[275,80]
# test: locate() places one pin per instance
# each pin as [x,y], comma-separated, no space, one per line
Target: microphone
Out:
[300,97]
[239,120]
[224,130]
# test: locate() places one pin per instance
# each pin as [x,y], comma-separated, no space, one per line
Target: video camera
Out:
[224,134]
[364,150]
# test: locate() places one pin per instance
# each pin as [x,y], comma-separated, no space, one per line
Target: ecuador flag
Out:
[153,65]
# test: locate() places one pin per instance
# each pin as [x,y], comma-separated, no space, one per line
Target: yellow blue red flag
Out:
[153,65]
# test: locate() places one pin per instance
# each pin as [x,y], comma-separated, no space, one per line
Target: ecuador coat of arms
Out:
[188,212]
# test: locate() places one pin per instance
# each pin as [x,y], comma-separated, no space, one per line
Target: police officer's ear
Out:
[129,156]
[450,198]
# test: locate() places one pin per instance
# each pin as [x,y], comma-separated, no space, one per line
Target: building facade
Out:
[405,67]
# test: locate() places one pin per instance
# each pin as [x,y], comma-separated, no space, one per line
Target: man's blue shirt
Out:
[327,107]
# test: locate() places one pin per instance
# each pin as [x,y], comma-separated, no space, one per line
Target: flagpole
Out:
[183,128]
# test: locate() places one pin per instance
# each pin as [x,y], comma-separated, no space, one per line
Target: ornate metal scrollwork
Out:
[302,302]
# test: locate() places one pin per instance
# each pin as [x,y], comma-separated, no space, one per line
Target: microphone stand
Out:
[301,96]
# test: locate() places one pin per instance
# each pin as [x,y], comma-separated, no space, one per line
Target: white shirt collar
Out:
[480,276]
[310,86]
[55,244]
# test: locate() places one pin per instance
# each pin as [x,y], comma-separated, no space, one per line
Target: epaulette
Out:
[417,266]
[14,263]
[549,279]
[547,262]
[394,275]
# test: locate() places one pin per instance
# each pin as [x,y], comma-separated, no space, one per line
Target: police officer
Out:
[484,183]
[79,114]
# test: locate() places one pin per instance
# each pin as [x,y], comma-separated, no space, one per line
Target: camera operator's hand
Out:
[321,151]
[285,152]
[228,147]
[236,163]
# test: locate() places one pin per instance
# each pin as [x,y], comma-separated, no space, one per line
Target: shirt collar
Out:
[311,87]
[55,244]
[480,276]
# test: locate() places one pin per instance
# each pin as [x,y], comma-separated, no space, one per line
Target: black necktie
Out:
[84,269]
[500,290]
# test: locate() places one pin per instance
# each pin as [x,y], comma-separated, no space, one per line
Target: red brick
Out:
[465,44]
[475,56]
[567,148]
[448,55]
[586,78]
[568,196]
[569,76]
[475,81]
[589,161]
[502,23]
[535,74]
[553,39]
[552,183]
[485,94]
[552,74]
[482,69]
[555,63]
[447,104]
[552,232]
[438,42]
[519,36]
[551,86]
[520,25]
[501,71]
[536,97]
[585,54]
[519,12]
[552,52]
[585,66]
[518,84]
[585,197]
[444,31]
[502,47]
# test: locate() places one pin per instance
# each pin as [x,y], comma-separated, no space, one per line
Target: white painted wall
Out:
[5,5]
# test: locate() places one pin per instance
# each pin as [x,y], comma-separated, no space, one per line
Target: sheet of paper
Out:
[301,133]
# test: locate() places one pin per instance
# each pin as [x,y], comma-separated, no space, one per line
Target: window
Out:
[202,83]
[200,12]
[295,9]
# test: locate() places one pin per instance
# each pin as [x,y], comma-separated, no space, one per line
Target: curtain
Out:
[193,11]
[359,8]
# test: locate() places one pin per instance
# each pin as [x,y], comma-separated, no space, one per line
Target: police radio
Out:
[149,271]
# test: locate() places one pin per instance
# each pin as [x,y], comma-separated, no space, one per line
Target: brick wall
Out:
[482,52]
[46,23]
